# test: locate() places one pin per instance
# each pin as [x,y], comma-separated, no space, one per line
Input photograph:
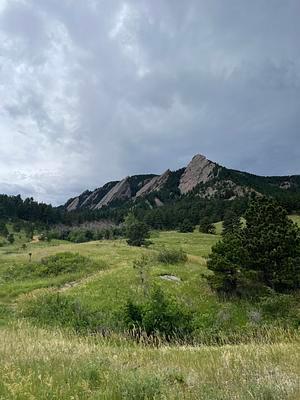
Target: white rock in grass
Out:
[170,278]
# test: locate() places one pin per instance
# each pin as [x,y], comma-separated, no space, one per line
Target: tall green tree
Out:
[136,231]
[231,222]
[264,252]
[272,243]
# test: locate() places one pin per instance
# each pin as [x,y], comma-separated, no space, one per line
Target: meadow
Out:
[238,351]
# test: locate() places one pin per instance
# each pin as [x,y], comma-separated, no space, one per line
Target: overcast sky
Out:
[95,90]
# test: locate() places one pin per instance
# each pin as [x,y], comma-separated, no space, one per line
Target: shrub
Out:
[186,226]
[136,231]
[171,256]
[158,316]
[60,310]
[282,307]
[61,263]
[11,238]
[206,226]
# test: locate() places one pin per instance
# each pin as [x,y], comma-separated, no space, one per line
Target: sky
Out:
[96,90]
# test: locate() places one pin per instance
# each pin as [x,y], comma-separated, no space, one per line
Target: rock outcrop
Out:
[76,203]
[206,179]
[154,185]
[121,191]
[199,170]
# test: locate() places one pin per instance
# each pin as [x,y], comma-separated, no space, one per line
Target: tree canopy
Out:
[264,253]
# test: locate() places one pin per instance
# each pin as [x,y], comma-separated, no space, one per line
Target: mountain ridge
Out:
[201,178]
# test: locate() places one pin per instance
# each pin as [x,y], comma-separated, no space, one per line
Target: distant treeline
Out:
[14,208]
[170,216]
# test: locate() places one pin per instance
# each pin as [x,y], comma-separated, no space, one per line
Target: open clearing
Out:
[52,363]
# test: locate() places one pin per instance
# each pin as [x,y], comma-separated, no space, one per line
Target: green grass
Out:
[295,218]
[41,364]
[47,363]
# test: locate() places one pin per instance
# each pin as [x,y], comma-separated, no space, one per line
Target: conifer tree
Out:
[266,251]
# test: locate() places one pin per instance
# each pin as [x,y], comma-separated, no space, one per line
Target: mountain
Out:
[201,178]
[111,192]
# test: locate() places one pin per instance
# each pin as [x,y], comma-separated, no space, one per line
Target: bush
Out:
[11,238]
[60,310]
[61,263]
[136,231]
[158,316]
[171,256]
[186,226]
[206,226]
[282,307]
[83,235]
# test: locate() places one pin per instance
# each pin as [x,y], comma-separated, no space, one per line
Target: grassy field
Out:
[42,364]
[50,362]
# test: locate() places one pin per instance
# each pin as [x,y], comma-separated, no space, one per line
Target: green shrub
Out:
[158,316]
[58,264]
[136,231]
[282,307]
[171,256]
[59,310]
[186,226]
[206,226]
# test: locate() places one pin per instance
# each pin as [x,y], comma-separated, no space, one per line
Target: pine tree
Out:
[186,226]
[231,222]
[265,252]
[272,244]
[136,231]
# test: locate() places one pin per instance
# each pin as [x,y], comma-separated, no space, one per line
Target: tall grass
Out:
[41,364]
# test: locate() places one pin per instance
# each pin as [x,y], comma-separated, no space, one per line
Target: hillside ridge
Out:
[201,177]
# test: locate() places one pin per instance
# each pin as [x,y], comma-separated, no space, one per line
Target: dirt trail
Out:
[86,279]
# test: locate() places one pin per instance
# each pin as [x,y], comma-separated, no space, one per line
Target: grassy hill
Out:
[241,349]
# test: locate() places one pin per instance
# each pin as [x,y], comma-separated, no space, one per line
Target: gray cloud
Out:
[95,90]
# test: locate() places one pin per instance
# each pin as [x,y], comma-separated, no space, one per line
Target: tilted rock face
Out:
[199,170]
[154,185]
[97,195]
[121,191]
[75,203]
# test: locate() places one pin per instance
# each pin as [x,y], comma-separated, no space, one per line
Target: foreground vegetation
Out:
[43,364]
[64,333]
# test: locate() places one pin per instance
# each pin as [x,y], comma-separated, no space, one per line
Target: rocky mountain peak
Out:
[199,170]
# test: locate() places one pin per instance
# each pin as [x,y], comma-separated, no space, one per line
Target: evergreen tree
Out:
[231,222]
[265,252]
[186,226]
[272,243]
[225,262]
[206,226]
[136,231]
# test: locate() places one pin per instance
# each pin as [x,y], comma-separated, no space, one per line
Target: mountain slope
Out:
[201,178]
